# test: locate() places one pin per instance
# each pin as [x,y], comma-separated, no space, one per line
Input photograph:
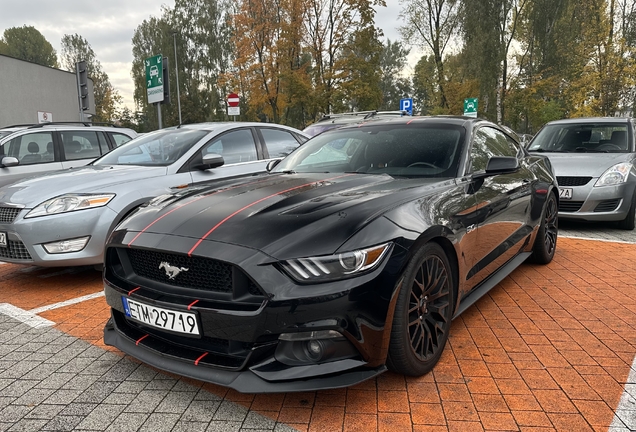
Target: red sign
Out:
[233,100]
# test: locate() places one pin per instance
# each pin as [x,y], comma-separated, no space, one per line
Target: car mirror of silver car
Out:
[272,164]
[211,160]
[9,161]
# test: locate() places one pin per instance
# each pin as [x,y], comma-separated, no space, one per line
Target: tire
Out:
[423,313]
[630,220]
[545,243]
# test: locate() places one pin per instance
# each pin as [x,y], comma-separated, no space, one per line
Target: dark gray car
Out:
[64,218]
[594,160]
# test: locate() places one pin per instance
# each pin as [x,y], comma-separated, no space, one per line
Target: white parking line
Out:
[625,416]
[596,239]
[25,317]
[30,317]
[67,302]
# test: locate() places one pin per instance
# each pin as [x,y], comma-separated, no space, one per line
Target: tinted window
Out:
[430,150]
[119,138]
[160,148]
[279,143]
[32,148]
[489,142]
[235,147]
[80,145]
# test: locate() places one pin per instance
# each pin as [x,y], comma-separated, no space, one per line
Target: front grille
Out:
[573,181]
[202,273]
[15,250]
[8,214]
[608,205]
[570,206]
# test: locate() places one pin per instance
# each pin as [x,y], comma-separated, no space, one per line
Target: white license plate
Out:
[3,239]
[165,319]
[565,193]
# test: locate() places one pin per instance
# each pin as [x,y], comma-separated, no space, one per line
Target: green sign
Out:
[470,107]
[154,78]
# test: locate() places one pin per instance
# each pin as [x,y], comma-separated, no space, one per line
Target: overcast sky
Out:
[109,25]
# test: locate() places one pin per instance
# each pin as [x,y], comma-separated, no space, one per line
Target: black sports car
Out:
[351,256]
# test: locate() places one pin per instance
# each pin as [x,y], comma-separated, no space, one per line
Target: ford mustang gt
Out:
[349,257]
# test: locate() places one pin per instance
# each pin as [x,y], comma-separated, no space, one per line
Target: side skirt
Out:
[490,283]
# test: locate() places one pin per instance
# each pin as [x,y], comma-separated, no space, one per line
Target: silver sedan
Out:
[594,160]
[64,218]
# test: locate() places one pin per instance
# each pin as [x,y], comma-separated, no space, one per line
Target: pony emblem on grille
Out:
[171,271]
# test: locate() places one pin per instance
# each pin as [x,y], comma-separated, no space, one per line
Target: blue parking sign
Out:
[406,105]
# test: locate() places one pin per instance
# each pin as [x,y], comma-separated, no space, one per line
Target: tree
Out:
[201,31]
[27,43]
[431,24]
[74,49]
[393,86]
[328,27]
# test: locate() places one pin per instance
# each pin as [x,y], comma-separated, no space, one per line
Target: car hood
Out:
[87,179]
[281,215]
[584,164]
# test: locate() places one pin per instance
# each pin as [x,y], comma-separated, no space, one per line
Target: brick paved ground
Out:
[550,348]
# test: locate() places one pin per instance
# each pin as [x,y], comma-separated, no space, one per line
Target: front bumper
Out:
[26,237]
[239,345]
[596,204]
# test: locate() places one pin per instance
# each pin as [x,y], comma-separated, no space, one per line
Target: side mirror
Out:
[498,165]
[211,160]
[502,165]
[9,161]
[272,164]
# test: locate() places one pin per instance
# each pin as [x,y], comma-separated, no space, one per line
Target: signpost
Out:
[470,107]
[233,108]
[406,105]
[154,81]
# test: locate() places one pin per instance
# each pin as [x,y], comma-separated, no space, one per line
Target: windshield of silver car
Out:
[582,138]
[160,148]
[394,149]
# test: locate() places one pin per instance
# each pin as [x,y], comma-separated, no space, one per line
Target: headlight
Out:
[615,175]
[69,203]
[338,266]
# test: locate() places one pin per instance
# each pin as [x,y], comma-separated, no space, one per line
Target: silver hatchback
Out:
[64,218]
[594,160]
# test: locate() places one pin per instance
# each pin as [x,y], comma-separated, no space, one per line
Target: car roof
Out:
[450,120]
[219,126]
[592,120]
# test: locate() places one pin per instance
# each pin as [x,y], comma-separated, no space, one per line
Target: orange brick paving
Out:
[549,349]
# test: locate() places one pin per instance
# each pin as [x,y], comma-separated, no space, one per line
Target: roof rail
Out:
[39,125]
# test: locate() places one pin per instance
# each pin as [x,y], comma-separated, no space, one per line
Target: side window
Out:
[279,143]
[236,146]
[119,138]
[489,142]
[33,148]
[80,144]
[103,143]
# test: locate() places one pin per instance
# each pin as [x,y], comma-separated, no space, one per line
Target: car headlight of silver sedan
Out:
[616,175]
[337,266]
[69,203]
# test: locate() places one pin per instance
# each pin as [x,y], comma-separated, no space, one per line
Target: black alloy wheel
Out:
[423,313]
[546,240]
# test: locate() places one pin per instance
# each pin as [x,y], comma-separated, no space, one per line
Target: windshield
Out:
[394,149]
[160,148]
[317,129]
[582,137]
